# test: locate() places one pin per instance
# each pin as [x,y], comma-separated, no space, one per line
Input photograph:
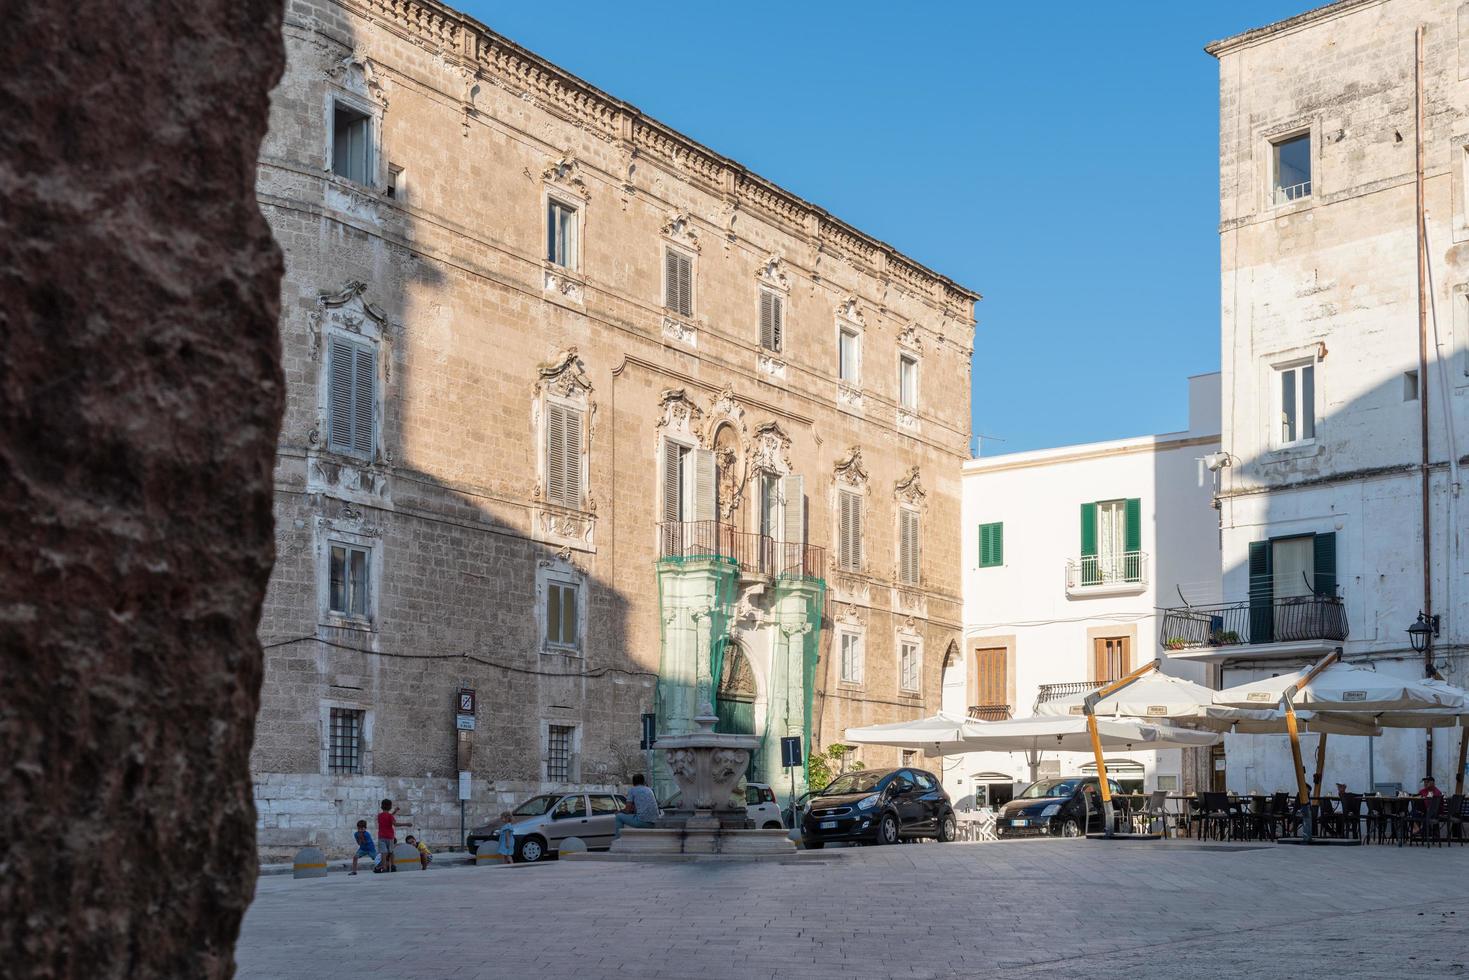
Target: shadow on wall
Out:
[409,568]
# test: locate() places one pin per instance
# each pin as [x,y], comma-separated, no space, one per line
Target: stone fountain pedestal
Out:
[707,766]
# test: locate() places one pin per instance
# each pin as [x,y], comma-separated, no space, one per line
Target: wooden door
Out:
[1112,658]
[991,681]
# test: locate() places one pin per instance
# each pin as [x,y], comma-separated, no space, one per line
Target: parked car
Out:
[760,805]
[1054,807]
[543,822]
[879,806]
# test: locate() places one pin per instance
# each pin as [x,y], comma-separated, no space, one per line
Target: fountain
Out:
[710,822]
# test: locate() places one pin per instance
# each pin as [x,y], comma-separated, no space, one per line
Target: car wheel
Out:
[887,831]
[1070,828]
[530,850]
[948,829]
[771,825]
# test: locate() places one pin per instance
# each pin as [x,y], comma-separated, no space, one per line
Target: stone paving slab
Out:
[920,911]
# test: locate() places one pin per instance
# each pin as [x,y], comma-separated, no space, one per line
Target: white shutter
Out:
[672,466]
[364,401]
[778,304]
[704,483]
[793,509]
[908,546]
[670,279]
[339,395]
[849,541]
[770,320]
[573,458]
[555,453]
[686,285]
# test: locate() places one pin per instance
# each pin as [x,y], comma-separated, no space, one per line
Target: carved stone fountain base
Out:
[697,843]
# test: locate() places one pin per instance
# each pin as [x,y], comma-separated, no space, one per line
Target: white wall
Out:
[1038,496]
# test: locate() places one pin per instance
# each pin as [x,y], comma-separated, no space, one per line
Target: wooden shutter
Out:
[670,279]
[556,453]
[849,531]
[1324,546]
[908,546]
[1091,573]
[678,285]
[991,545]
[1132,540]
[793,509]
[340,403]
[767,320]
[364,401]
[1262,593]
[686,285]
[705,481]
[573,458]
[672,474]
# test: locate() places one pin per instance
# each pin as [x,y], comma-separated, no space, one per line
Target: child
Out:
[506,848]
[364,845]
[424,854]
[387,833]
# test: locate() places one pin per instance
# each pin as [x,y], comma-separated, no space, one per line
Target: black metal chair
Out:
[1350,818]
[1424,820]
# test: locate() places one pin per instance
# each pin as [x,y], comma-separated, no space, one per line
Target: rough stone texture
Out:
[140,398]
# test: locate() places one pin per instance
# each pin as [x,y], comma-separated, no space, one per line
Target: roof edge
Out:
[1225,45]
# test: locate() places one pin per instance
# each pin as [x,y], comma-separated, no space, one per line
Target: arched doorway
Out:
[735,702]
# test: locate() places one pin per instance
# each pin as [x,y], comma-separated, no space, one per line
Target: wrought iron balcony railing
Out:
[990,712]
[751,551]
[1055,692]
[1095,571]
[1262,620]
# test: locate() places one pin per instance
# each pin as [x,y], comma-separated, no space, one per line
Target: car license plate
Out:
[1020,823]
[828,825]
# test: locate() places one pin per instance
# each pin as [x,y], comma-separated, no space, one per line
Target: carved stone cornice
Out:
[565,173]
[565,375]
[850,471]
[850,309]
[772,273]
[909,489]
[679,227]
[678,411]
[772,453]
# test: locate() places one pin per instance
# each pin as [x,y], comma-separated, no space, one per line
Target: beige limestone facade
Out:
[541,351]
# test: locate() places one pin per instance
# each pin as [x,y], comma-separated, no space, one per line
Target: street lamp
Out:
[1422,633]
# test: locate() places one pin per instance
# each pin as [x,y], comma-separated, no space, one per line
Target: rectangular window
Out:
[1167,783]
[908,667]
[908,546]
[991,544]
[351,143]
[678,282]
[350,567]
[563,455]
[849,355]
[1410,386]
[1111,541]
[397,183]
[850,657]
[908,382]
[849,531]
[561,241]
[558,752]
[772,320]
[345,746]
[991,676]
[909,756]
[561,614]
[1112,658]
[1292,168]
[1297,386]
[351,397]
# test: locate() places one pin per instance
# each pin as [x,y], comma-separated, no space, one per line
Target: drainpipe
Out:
[1423,362]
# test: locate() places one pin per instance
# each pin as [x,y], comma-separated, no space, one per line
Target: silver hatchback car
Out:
[542,822]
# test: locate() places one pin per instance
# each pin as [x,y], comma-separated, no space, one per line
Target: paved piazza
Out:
[1010,909]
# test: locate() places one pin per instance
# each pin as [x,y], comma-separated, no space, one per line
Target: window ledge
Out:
[1296,450]
[339,622]
[554,650]
[1106,589]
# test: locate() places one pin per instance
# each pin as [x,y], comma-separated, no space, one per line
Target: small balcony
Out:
[990,712]
[1124,573]
[754,553]
[1055,692]
[1265,628]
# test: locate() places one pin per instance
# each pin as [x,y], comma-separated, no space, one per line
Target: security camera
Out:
[1216,461]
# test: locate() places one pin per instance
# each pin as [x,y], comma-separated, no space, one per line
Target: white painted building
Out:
[1322,511]
[1068,553]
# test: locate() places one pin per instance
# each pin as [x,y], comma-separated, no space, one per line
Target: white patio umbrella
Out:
[1068,733]
[1342,687]
[940,734]
[1159,697]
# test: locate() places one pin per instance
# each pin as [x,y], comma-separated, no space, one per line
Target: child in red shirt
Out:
[387,833]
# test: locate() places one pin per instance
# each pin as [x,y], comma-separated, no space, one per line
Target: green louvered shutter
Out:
[1325,560]
[1262,593]
[1133,540]
[991,545]
[1091,574]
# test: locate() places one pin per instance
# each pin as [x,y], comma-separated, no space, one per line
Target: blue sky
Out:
[1062,159]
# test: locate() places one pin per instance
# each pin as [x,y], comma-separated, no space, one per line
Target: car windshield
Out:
[1050,788]
[853,782]
[535,806]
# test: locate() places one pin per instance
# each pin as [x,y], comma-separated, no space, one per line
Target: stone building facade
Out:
[1325,401]
[582,417]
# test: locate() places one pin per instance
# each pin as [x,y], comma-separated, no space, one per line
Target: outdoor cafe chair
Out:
[1219,817]
[1379,820]
[1424,821]
[1157,810]
[1458,816]
[1350,818]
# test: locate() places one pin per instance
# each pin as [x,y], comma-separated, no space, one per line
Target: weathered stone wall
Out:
[454,290]
[140,400]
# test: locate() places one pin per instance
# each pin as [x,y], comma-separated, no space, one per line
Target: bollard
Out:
[309,863]
[572,845]
[486,856]
[405,856]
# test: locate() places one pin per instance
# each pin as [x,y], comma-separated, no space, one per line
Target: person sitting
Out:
[642,808]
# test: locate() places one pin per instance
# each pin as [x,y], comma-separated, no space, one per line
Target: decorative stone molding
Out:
[347,309]
[357,73]
[906,420]
[769,364]
[850,615]
[563,283]
[680,228]
[564,375]
[681,332]
[850,310]
[911,340]
[772,273]
[849,397]
[726,408]
[909,490]
[772,451]
[912,604]
[851,590]
[565,173]
[849,470]
[679,413]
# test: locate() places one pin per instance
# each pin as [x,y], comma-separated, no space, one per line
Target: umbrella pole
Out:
[1287,697]
[1463,749]
[1320,766]
[1089,706]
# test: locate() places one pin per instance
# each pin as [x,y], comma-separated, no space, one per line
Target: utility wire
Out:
[597,672]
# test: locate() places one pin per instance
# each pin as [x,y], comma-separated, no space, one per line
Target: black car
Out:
[1054,807]
[878,806]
